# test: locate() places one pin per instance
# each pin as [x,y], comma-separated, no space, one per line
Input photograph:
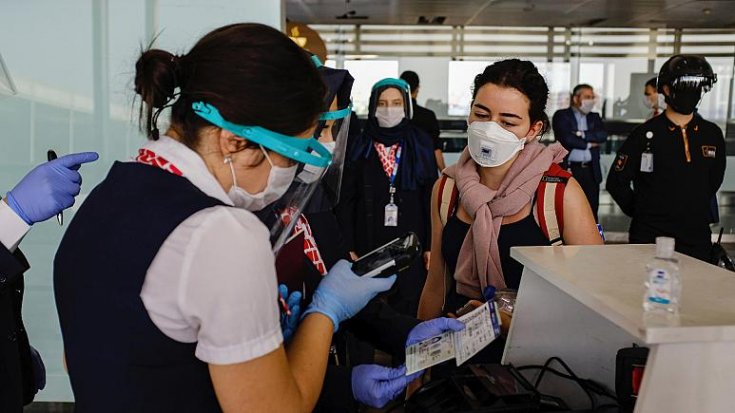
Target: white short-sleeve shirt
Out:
[213,280]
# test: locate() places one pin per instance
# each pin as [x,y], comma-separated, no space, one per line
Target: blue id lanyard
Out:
[393,175]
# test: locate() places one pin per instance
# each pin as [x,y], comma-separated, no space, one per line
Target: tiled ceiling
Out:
[585,13]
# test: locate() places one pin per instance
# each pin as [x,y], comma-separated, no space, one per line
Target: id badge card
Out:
[391,215]
[646,162]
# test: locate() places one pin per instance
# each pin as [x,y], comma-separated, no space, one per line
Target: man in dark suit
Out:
[581,132]
[424,118]
[44,192]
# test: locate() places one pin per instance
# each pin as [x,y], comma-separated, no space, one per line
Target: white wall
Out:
[433,76]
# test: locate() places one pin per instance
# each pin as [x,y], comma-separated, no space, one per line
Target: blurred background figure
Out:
[654,101]
[424,118]
[581,132]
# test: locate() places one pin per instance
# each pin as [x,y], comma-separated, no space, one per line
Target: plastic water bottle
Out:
[663,281]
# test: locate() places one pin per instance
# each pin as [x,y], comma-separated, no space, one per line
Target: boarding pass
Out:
[482,326]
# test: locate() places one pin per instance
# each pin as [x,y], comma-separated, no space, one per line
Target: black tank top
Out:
[523,233]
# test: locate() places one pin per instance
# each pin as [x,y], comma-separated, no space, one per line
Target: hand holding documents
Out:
[482,326]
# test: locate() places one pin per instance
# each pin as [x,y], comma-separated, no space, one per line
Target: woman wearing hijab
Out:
[351,376]
[386,190]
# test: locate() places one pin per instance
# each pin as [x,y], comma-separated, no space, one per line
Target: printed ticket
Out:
[429,352]
[479,331]
[481,328]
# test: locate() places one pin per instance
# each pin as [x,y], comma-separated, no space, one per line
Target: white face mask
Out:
[586,106]
[647,102]
[660,102]
[279,180]
[311,173]
[490,145]
[389,117]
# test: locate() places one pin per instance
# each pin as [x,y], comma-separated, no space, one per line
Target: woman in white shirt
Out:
[165,282]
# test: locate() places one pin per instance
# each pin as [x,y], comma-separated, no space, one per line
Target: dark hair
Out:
[651,82]
[411,78]
[523,76]
[252,73]
[580,87]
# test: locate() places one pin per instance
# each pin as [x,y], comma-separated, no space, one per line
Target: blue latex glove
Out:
[342,293]
[49,188]
[290,322]
[376,385]
[433,328]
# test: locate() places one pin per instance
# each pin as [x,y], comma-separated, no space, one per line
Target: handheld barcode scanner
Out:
[391,258]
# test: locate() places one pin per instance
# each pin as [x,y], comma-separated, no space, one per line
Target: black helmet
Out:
[687,76]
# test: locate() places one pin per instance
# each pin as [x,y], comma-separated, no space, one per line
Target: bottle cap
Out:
[665,247]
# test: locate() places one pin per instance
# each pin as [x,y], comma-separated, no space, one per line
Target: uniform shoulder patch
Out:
[709,151]
[620,162]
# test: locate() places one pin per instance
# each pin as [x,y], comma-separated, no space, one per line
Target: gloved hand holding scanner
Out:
[342,293]
[391,258]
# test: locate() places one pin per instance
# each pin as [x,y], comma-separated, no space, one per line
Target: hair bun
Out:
[156,77]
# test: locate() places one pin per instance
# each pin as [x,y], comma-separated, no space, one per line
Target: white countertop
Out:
[609,280]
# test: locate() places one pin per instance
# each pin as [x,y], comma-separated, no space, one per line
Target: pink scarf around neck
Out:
[478,264]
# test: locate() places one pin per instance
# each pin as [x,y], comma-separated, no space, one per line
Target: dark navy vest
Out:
[118,360]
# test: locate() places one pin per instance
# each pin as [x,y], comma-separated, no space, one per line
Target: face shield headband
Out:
[332,132]
[401,85]
[304,150]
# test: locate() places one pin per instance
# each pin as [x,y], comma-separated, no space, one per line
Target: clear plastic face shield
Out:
[381,86]
[301,152]
[332,133]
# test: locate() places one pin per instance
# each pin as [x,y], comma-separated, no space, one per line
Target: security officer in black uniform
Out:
[676,163]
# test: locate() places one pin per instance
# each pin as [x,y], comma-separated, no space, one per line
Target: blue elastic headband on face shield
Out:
[337,114]
[298,149]
[399,83]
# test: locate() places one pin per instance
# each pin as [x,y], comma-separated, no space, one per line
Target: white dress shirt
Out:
[12,227]
[213,281]
[581,155]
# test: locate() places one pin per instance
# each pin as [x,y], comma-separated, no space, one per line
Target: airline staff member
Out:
[41,194]
[349,378]
[165,281]
[676,163]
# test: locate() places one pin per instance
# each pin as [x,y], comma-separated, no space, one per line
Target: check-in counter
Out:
[584,303]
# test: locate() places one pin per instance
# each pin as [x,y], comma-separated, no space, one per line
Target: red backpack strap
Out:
[550,203]
[447,198]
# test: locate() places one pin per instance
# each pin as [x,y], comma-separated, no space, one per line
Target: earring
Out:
[228,159]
